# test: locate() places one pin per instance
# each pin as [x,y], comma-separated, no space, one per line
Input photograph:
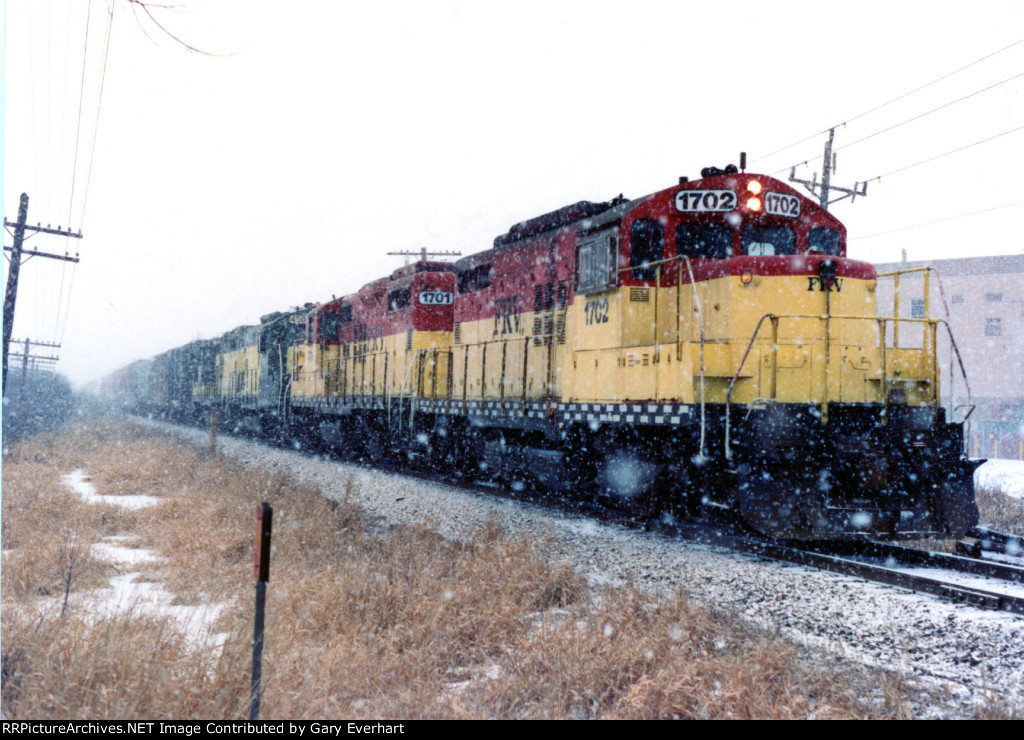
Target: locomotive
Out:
[709,346]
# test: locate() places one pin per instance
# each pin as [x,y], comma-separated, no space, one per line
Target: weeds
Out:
[363,621]
[999,511]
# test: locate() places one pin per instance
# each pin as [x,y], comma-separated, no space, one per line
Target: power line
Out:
[933,110]
[938,221]
[99,105]
[910,120]
[11,295]
[883,105]
[74,165]
[92,153]
[81,95]
[945,154]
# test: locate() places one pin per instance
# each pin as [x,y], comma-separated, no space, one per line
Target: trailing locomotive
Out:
[707,346]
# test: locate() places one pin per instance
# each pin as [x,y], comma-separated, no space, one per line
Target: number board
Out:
[704,201]
[436,298]
[782,204]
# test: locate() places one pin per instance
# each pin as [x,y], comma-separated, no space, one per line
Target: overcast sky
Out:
[318,136]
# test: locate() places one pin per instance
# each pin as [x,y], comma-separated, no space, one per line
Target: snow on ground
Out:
[128,592]
[79,482]
[972,655]
[1001,475]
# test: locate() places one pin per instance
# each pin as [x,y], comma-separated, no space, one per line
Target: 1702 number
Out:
[782,204]
[596,311]
[702,201]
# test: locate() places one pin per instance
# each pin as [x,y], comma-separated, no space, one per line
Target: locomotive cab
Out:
[734,295]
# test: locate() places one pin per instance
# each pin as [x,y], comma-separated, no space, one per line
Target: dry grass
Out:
[999,511]
[363,620]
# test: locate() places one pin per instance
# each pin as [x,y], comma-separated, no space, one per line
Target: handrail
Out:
[881,320]
[927,270]
[732,383]
[700,315]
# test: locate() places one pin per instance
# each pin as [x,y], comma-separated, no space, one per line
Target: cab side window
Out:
[646,241]
[329,327]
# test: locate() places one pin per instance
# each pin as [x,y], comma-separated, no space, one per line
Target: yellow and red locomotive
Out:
[706,346]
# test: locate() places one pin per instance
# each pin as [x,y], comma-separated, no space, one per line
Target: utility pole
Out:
[39,362]
[423,254]
[11,296]
[826,186]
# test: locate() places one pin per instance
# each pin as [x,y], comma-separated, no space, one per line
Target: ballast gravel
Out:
[968,657]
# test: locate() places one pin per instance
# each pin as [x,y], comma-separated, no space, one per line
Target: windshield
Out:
[696,240]
[765,241]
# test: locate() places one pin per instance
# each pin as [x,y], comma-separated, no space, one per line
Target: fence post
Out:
[261,570]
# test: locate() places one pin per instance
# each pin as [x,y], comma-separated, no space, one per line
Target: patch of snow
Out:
[145,597]
[79,482]
[1002,475]
[122,555]
[126,592]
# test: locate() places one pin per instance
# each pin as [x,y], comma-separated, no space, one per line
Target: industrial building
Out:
[982,299]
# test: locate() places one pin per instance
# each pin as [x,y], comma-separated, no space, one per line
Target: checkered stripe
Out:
[488,409]
[628,413]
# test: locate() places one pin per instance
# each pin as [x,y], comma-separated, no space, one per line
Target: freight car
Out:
[708,346]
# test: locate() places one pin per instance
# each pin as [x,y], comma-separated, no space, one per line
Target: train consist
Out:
[708,346]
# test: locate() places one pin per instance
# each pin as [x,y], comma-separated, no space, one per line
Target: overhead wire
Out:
[99,105]
[909,120]
[63,307]
[945,154]
[81,95]
[32,100]
[889,102]
[61,181]
[937,221]
[932,158]
[47,174]
[92,151]
[928,113]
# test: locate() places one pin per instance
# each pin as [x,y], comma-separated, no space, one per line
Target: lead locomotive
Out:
[707,346]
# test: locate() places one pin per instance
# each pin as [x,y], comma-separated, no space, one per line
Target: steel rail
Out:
[991,541]
[926,558]
[775,550]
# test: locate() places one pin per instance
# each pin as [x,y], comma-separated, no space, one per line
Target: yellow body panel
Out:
[410,364]
[643,344]
[238,373]
[822,347]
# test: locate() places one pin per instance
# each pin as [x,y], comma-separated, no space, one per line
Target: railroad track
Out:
[848,558]
[987,540]
[858,559]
